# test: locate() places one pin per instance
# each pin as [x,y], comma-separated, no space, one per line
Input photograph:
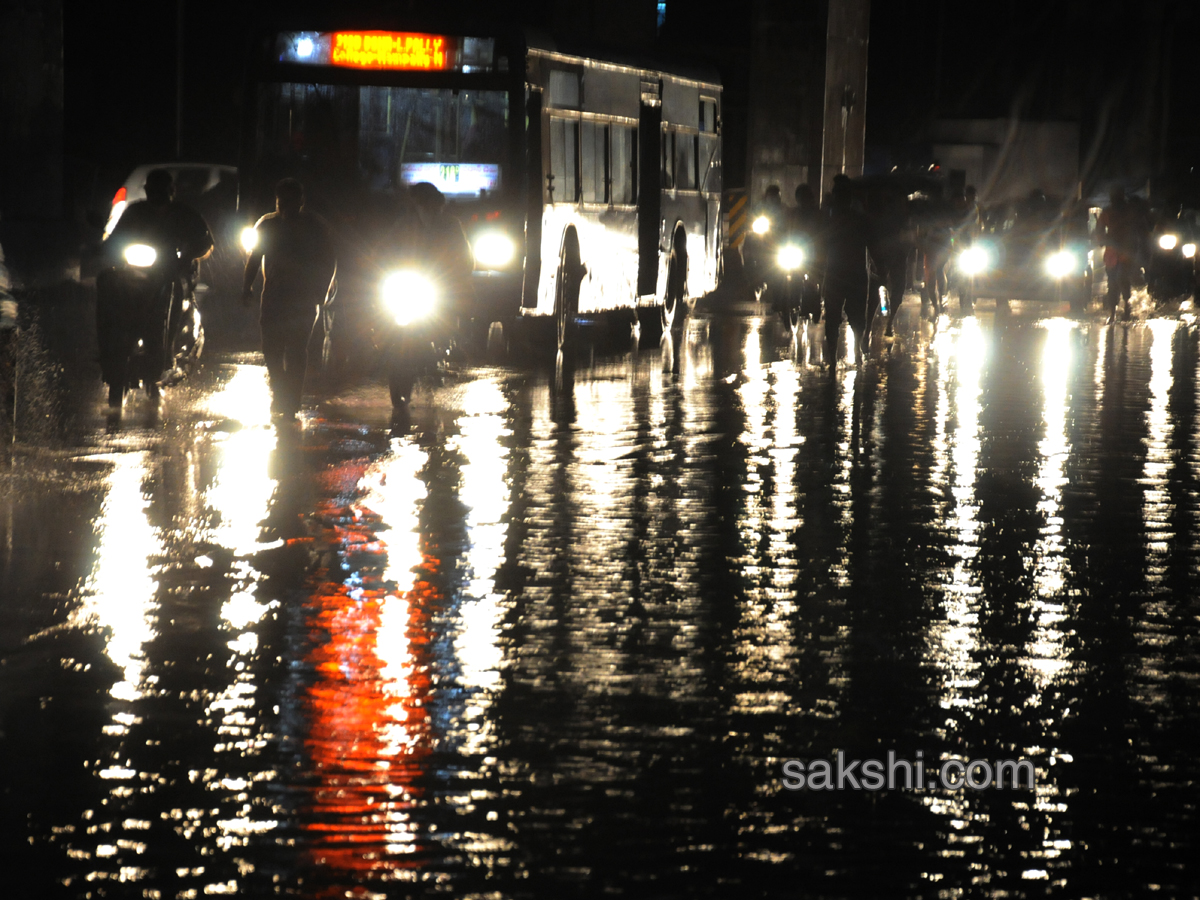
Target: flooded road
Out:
[556,636]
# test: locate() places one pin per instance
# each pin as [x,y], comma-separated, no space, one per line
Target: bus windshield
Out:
[358,144]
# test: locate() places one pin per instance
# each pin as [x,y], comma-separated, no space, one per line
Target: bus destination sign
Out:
[391,50]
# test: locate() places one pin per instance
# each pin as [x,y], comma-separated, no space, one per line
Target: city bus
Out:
[587,187]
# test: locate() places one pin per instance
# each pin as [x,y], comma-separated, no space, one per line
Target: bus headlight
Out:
[974,260]
[1061,264]
[249,239]
[408,296]
[1168,241]
[1189,251]
[790,257]
[494,250]
[140,255]
[761,225]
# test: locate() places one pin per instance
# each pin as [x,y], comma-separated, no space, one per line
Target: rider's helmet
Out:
[160,186]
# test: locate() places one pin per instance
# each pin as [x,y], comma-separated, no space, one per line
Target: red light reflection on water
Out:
[369,728]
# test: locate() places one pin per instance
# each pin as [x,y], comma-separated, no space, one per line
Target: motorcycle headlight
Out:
[408,296]
[249,239]
[790,257]
[1168,241]
[761,225]
[974,260]
[1189,251]
[140,255]
[494,250]
[1062,264]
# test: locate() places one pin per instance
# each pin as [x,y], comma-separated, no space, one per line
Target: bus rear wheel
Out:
[676,290]
[566,290]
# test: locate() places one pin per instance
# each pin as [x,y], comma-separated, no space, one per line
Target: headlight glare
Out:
[1061,264]
[974,260]
[1189,251]
[1168,241]
[761,225]
[790,257]
[494,250]
[140,255]
[249,239]
[408,296]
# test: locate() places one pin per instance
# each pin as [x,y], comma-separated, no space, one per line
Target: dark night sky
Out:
[1099,61]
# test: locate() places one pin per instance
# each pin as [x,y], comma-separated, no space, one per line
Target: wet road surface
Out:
[555,635]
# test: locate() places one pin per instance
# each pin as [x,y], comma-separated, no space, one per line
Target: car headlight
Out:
[761,225]
[140,255]
[249,238]
[494,250]
[790,257]
[408,296]
[974,260]
[1062,264]
[1189,251]
[1168,241]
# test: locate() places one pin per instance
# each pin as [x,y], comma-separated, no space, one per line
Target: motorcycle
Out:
[415,336]
[147,321]
[792,290]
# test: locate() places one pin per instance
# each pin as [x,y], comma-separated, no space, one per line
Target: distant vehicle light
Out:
[249,239]
[761,225]
[974,260]
[1062,264]
[494,250]
[1189,251]
[141,256]
[1168,241]
[790,257]
[408,296]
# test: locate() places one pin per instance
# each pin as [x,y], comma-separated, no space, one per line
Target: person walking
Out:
[847,284]
[296,255]
[1118,231]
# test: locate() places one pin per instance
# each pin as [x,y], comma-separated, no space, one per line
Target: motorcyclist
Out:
[427,235]
[766,232]
[179,236]
[805,229]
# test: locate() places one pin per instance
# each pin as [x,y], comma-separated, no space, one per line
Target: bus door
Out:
[534,197]
[649,197]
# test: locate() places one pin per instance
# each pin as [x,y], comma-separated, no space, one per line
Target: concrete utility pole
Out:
[808,89]
[845,90]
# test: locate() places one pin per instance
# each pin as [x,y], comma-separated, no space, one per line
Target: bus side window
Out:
[593,145]
[685,161]
[624,165]
[668,159]
[564,141]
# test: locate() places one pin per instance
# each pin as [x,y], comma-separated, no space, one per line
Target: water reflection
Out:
[558,631]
